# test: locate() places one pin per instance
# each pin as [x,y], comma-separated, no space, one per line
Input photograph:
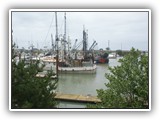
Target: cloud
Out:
[127,28]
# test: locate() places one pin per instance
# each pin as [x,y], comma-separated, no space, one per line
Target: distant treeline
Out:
[118,52]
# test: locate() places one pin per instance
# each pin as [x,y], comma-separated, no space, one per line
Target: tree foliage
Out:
[128,85]
[121,53]
[28,91]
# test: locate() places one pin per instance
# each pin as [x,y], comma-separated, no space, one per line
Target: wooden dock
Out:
[77,98]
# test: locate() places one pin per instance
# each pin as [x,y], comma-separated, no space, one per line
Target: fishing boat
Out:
[112,56]
[78,61]
[102,58]
[67,59]
[84,69]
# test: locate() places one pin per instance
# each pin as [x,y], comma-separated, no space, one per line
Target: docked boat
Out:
[112,56]
[66,59]
[84,69]
[102,58]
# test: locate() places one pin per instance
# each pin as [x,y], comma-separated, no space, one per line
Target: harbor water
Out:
[83,84]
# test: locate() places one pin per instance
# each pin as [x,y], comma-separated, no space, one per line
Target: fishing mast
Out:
[52,43]
[65,41]
[85,42]
[56,44]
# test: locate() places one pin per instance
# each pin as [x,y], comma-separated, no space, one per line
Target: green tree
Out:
[128,85]
[28,91]
[119,52]
[107,48]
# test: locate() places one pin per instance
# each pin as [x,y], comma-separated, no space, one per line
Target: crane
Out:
[74,46]
[92,45]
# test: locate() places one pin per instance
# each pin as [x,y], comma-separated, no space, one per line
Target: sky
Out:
[122,30]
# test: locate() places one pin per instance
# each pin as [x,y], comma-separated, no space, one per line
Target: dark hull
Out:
[102,60]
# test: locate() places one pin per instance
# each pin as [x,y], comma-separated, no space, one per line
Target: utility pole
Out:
[56,44]
[108,45]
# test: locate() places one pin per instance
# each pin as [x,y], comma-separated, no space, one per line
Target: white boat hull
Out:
[88,69]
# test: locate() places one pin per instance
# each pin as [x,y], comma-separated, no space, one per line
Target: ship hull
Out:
[102,61]
[85,70]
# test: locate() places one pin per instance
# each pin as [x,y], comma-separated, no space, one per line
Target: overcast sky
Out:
[121,29]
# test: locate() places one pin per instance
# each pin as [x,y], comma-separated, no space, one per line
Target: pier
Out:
[77,98]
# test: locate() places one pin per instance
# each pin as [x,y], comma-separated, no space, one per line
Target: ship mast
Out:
[56,44]
[52,43]
[65,41]
[85,37]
